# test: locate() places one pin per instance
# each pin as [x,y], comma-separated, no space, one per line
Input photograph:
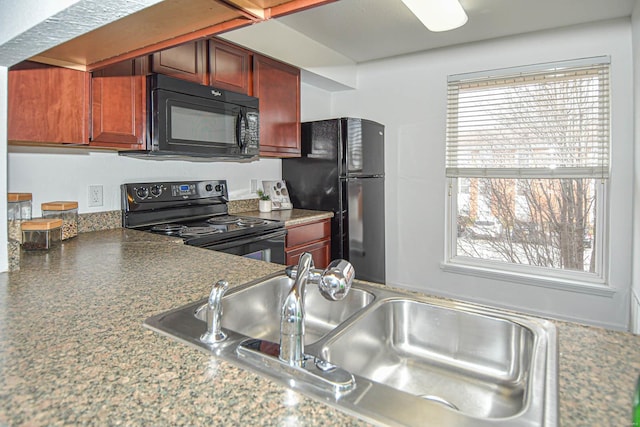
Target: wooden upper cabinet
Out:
[107,107]
[186,61]
[118,105]
[48,105]
[277,85]
[118,112]
[229,67]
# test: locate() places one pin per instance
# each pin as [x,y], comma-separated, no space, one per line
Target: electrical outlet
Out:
[254,186]
[95,195]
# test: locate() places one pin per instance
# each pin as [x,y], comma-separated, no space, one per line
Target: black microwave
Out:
[194,121]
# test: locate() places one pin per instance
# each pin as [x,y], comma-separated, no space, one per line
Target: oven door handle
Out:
[233,243]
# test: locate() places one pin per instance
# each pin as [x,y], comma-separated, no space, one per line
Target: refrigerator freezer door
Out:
[322,140]
[366,237]
[363,144]
[313,179]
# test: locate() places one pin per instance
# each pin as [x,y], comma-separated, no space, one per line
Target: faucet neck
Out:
[292,315]
[334,284]
[305,265]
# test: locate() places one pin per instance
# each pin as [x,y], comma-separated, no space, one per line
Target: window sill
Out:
[589,288]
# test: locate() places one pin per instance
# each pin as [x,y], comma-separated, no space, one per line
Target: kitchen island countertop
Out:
[73,349]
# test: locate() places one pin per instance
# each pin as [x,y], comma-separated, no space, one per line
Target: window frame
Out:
[549,277]
[581,281]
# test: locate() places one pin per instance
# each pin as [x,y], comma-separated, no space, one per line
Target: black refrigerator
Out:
[342,170]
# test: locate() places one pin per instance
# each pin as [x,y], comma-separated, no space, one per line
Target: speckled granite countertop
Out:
[291,217]
[73,350]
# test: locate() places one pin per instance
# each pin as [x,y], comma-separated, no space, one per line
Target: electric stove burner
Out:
[250,222]
[198,231]
[168,228]
[222,220]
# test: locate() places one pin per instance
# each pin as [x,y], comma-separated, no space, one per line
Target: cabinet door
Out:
[118,108]
[320,253]
[228,67]
[186,62]
[277,85]
[48,104]
[314,237]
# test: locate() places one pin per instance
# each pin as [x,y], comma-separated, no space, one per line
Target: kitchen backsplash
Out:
[236,206]
[99,221]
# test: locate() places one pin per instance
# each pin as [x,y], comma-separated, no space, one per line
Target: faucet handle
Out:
[291,271]
[314,274]
[336,280]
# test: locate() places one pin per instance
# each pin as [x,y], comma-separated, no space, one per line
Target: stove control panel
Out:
[183,190]
[173,192]
[149,203]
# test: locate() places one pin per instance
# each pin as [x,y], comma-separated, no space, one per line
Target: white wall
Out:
[275,39]
[635,293]
[59,174]
[315,103]
[408,95]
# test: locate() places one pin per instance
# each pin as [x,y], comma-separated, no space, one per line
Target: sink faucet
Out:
[214,332]
[334,284]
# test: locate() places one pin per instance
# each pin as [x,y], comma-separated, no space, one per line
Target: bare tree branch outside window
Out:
[539,221]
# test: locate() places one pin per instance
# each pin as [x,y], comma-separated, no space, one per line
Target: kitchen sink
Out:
[413,359]
[472,363]
[254,311]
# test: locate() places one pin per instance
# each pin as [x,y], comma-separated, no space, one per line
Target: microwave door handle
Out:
[239,121]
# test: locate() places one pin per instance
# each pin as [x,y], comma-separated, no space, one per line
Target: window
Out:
[527,157]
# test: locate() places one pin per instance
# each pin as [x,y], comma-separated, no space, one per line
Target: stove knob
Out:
[142,192]
[208,187]
[156,190]
[219,187]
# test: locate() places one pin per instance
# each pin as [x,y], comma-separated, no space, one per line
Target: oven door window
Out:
[261,255]
[268,247]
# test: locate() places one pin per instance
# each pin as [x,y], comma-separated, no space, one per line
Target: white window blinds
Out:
[550,120]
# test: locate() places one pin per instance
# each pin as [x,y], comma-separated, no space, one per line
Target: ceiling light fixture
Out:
[438,15]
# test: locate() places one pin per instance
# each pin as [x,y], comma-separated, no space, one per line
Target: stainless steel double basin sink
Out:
[416,360]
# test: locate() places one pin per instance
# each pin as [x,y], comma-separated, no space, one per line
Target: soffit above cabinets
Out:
[163,25]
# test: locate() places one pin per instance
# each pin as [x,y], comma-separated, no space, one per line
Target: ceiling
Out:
[365,30]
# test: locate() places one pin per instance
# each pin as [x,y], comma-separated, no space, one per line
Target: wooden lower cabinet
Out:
[314,237]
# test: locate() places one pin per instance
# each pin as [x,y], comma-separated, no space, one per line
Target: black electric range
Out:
[197,211]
